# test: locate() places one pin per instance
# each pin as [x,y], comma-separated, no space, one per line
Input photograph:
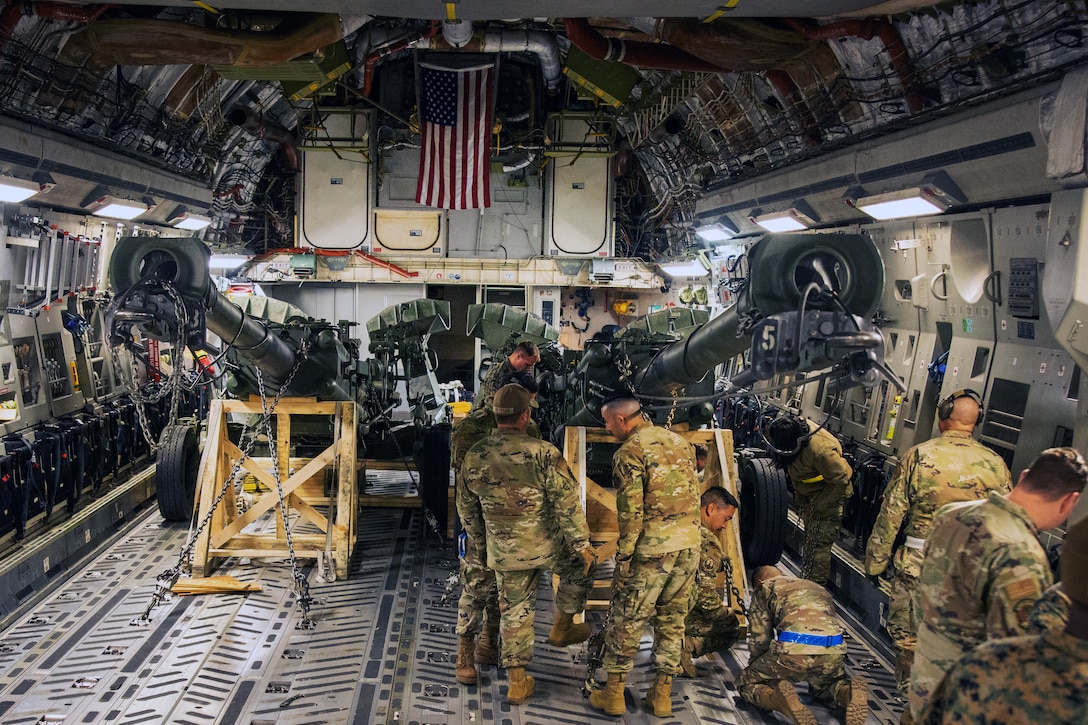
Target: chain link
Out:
[130,374]
[734,591]
[247,442]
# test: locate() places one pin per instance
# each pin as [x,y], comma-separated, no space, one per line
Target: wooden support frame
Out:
[225,534]
[600,502]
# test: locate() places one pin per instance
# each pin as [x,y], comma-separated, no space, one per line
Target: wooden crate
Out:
[600,502]
[303,491]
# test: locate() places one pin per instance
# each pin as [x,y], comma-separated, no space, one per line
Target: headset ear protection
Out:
[797,428]
[944,408]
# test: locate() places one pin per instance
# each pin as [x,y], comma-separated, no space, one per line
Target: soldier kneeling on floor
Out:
[796,637]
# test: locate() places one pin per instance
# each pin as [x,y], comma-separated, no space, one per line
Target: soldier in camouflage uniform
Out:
[794,636]
[1039,678]
[478,606]
[525,355]
[521,504]
[657,554]
[952,467]
[983,567]
[710,627]
[821,482]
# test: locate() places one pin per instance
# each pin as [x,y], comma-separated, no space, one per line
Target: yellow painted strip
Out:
[451,11]
[722,10]
[205,6]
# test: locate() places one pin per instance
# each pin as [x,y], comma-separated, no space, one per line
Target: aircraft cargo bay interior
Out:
[456,362]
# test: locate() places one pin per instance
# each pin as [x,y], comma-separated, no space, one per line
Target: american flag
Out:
[454,163]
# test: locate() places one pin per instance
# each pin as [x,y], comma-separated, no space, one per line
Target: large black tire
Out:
[764,503]
[176,471]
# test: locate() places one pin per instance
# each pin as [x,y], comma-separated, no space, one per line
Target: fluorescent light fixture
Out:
[916,201]
[116,207]
[695,267]
[226,261]
[934,195]
[797,217]
[192,222]
[718,232]
[13,191]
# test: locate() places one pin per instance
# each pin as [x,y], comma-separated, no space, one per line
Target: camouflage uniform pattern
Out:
[657,507]
[821,484]
[521,505]
[1033,679]
[479,601]
[711,626]
[793,605]
[950,468]
[983,569]
[1051,611]
[490,384]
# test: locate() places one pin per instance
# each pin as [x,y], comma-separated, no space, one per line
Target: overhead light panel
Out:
[697,266]
[114,207]
[798,217]
[13,191]
[191,222]
[934,195]
[226,261]
[718,232]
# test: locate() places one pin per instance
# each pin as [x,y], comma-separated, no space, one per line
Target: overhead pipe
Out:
[638,54]
[135,41]
[794,99]
[867,29]
[396,46]
[537,42]
[15,10]
[268,131]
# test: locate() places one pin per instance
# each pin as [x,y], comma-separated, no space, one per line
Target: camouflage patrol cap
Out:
[1074,563]
[510,399]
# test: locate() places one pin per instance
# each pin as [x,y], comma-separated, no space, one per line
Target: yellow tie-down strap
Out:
[814,479]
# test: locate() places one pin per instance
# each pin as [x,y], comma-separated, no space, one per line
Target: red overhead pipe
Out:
[641,55]
[789,91]
[388,49]
[867,29]
[376,261]
[14,11]
[267,130]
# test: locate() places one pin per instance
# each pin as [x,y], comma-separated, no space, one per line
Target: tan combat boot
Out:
[610,699]
[857,701]
[565,632]
[487,647]
[659,697]
[466,663]
[782,698]
[788,703]
[521,685]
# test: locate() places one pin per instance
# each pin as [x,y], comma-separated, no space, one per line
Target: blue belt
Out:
[818,640]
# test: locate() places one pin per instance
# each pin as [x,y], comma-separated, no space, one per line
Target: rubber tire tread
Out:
[764,503]
[176,471]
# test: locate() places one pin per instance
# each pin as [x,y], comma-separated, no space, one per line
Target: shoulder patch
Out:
[1022,589]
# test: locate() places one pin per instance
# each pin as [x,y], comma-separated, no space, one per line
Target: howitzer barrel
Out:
[781,267]
[139,264]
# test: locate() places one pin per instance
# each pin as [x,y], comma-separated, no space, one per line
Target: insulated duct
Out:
[268,131]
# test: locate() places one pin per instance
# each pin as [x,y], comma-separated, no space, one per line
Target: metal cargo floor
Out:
[381,650]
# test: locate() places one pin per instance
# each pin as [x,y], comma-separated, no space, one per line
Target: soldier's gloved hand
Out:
[623,566]
[589,560]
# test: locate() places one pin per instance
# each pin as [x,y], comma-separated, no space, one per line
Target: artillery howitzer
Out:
[163,289]
[803,308]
